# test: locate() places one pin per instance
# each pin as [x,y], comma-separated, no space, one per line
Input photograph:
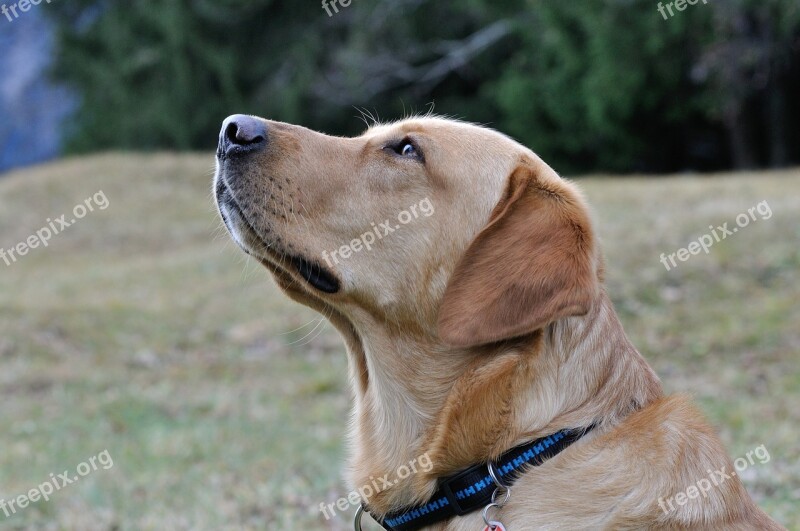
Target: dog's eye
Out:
[406,148]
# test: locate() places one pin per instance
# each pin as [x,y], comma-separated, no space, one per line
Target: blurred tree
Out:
[164,73]
[606,87]
[593,85]
[751,60]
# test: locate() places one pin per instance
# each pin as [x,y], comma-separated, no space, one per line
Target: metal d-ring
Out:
[501,487]
[489,523]
[357,519]
[504,490]
[496,476]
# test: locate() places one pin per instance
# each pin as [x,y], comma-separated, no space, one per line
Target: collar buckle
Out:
[446,487]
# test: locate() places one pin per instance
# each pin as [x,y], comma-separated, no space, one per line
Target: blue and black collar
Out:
[471,489]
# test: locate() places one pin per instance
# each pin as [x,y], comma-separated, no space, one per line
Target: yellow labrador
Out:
[466,280]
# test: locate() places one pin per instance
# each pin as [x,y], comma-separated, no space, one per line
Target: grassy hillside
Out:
[141,330]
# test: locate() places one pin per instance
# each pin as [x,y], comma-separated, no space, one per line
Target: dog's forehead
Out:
[446,129]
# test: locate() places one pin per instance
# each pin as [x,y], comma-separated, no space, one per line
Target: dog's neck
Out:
[426,404]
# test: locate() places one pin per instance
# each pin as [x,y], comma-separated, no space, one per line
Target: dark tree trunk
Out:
[743,153]
[777,110]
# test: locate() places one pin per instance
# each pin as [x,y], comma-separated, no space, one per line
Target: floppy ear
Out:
[534,263]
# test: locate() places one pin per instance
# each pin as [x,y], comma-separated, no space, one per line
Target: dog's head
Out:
[440,226]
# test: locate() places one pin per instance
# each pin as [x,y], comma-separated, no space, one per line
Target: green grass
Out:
[142,330]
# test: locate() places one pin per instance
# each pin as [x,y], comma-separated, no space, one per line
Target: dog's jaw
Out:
[247,237]
[232,216]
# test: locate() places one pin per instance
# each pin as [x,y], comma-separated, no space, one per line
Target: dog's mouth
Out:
[251,242]
[315,274]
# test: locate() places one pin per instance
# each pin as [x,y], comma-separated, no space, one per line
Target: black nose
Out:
[241,133]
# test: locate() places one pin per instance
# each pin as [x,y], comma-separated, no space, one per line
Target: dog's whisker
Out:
[300,327]
[321,322]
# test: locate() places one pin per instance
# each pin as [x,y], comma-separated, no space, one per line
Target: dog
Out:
[474,334]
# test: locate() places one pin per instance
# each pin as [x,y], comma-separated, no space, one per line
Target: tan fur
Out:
[480,327]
